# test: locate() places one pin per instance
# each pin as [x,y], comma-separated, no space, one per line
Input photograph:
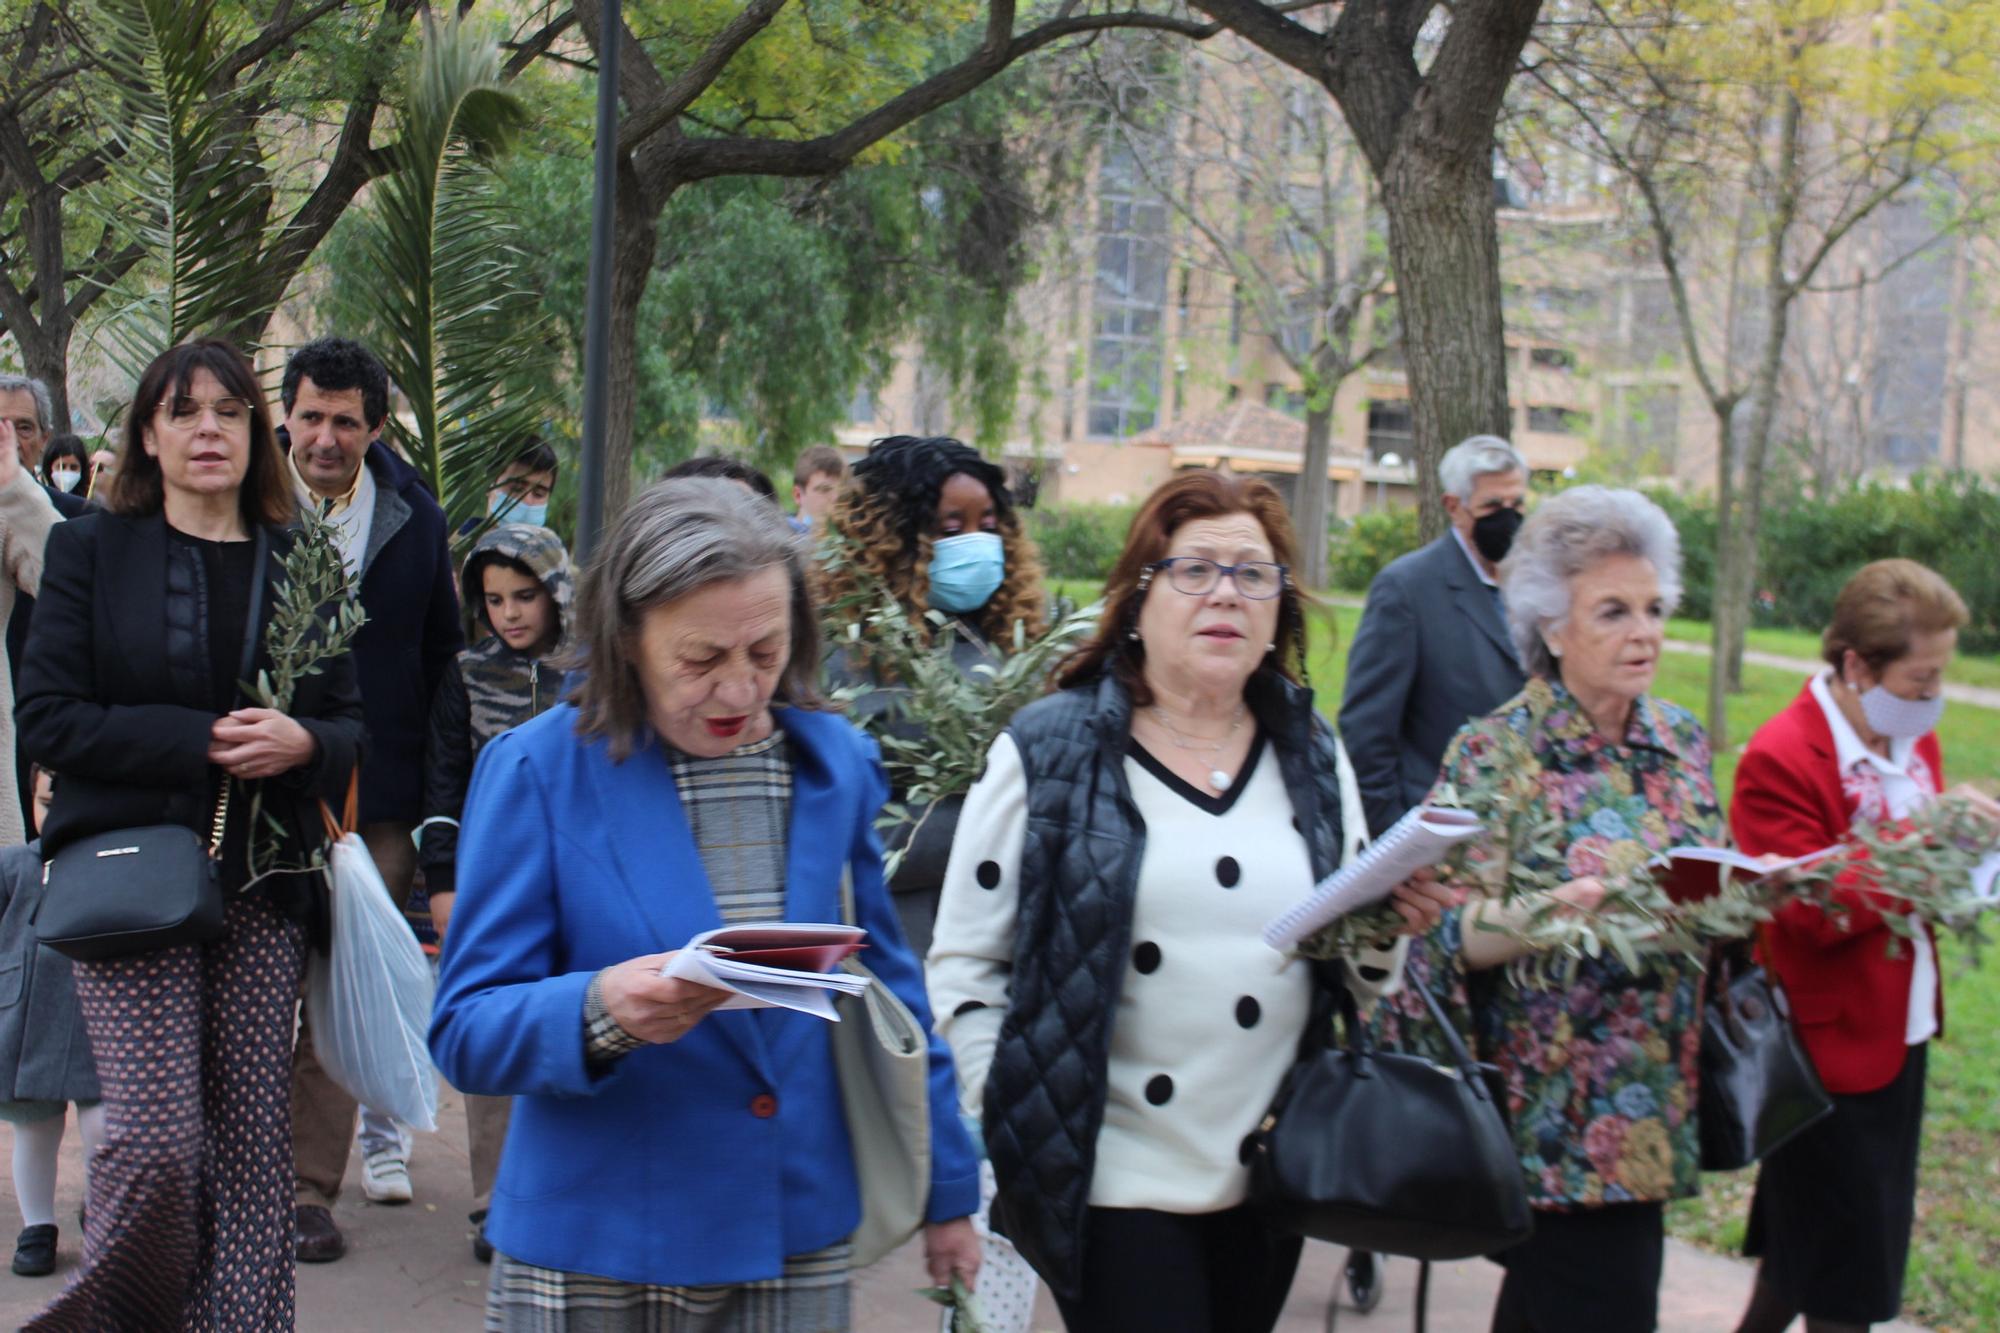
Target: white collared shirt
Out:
[1472,558]
[1881,789]
[352,516]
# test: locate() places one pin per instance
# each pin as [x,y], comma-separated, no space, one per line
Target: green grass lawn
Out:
[1954,1282]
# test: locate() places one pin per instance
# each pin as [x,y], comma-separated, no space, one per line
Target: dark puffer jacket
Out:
[1046,1091]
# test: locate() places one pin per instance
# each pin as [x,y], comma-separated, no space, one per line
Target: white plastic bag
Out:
[369,1000]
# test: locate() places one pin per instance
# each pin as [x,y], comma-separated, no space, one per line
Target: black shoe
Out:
[482,1248]
[35,1250]
[1364,1280]
[316,1240]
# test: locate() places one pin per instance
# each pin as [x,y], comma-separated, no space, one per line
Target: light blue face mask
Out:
[509,509]
[966,571]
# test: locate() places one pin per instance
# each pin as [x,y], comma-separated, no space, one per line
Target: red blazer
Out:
[1850,997]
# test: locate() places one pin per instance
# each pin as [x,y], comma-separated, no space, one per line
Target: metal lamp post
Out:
[597,304]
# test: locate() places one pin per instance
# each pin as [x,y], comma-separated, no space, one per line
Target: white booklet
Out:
[780,964]
[1420,838]
[1986,878]
[1690,874]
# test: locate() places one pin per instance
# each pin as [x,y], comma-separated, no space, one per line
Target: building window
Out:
[1551,358]
[1557,421]
[1391,429]
[1128,301]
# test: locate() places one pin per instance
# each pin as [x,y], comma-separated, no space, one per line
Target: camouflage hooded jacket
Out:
[488,689]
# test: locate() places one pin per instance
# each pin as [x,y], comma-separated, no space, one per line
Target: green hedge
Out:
[1080,541]
[1360,549]
[1809,546]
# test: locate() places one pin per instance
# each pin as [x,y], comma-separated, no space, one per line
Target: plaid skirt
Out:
[810,1296]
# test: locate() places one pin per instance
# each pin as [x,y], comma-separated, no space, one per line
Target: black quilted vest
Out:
[1046,1091]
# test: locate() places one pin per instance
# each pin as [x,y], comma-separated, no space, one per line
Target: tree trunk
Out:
[1726,612]
[1312,511]
[635,243]
[45,356]
[1444,248]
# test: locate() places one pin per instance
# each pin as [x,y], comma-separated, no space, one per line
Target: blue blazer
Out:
[658,1169]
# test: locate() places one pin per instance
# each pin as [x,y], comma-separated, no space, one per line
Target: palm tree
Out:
[435,276]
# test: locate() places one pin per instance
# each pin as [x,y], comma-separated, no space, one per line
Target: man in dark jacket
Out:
[26,403]
[1432,650]
[393,537]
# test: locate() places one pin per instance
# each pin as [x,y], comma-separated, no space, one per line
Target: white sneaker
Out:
[385,1177]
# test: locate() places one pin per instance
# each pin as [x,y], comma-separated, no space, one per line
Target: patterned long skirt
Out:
[189,1212]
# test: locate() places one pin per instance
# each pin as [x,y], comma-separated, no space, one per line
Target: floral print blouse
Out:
[1600,1073]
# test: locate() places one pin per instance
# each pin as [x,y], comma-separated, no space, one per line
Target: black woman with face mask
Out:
[1834,1206]
[930,520]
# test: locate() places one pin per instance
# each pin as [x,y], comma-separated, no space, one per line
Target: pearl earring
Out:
[1271,647]
[1132,634]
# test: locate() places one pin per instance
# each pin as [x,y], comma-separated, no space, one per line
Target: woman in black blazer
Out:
[130,689]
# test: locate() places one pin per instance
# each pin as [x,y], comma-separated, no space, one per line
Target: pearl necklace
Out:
[1217,779]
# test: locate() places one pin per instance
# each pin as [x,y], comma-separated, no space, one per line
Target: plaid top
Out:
[739,809]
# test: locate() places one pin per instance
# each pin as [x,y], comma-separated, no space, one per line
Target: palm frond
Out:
[189,184]
[444,251]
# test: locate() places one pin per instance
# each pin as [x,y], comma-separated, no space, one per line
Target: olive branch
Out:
[314,618]
[1923,863]
[936,736]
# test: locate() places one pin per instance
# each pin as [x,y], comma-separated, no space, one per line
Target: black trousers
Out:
[1152,1272]
[1594,1270]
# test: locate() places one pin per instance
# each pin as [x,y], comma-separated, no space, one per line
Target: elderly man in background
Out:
[26,406]
[1432,651]
[392,535]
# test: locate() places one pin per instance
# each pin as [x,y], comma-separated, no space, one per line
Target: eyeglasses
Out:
[183,410]
[1259,580]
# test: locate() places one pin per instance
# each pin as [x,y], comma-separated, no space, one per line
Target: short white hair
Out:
[1474,457]
[1567,535]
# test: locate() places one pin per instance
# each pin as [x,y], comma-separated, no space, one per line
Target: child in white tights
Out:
[44,1055]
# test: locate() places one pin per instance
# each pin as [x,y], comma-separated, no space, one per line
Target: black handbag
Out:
[1385,1151]
[1758,1085]
[137,890]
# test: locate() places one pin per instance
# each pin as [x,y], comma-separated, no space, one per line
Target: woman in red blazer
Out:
[1833,1209]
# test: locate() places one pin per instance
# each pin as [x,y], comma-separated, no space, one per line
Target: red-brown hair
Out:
[1189,496]
[1884,607]
[265,496]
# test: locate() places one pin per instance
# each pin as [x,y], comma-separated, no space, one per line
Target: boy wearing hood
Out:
[517,592]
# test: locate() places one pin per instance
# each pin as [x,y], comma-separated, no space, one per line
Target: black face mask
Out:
[1493,534]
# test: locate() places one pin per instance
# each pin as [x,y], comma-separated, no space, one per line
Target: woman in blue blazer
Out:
[659,1145]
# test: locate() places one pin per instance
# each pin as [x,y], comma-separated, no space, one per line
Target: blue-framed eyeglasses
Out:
[1259,580]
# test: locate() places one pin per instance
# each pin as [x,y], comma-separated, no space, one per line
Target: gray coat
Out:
[44,1053]
[1432,652]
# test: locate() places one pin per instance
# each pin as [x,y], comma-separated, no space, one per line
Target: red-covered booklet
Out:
[781,963]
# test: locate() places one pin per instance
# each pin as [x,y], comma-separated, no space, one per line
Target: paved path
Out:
[411,1268]
[1977,695]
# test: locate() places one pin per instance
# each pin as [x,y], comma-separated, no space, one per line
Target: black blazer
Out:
[114,694]
[1431,654]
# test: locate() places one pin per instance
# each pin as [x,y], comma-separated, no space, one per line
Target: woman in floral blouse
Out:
[1583,778]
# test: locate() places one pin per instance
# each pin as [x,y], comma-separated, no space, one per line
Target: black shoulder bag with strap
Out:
[138,890]
[1758,1086]
[1389,1152]
[1386,1151]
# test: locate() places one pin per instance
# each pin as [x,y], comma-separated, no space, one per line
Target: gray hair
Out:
[678,537]
[1474,457]
[45,408]
[1567,535]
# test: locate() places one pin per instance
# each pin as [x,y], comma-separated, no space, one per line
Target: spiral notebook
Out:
[1420,838]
